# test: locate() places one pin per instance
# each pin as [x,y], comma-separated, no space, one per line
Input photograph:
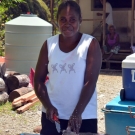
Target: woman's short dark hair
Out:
[71,4]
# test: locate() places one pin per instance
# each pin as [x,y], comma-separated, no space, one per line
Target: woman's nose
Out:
[67,22]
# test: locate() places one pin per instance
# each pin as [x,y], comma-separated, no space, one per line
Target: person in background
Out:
[112,45]
[108,21]
[72,61]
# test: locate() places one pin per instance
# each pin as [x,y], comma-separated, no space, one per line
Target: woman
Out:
[112,43]
[72,61]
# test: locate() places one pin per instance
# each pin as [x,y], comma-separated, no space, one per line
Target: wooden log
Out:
[25,97]
[18,104]
[33,98]
[28,96]
[19,92]
[10,73]
[26,107]
[17,81]
[20,101]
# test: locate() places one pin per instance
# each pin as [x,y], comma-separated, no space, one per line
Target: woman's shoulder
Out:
[52,40]
[87,35]
[53,37]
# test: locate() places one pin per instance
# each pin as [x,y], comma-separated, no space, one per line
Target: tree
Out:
[5,5]
[10,9]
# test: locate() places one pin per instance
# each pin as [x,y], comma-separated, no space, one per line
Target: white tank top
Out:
[66,78]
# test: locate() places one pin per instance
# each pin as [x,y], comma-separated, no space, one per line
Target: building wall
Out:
[122,21]
[86,26]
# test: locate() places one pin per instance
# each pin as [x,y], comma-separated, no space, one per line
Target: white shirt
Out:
[109,19]
[66,78]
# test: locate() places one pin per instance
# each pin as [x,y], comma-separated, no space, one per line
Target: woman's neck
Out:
[112,33]
[67,44]
[69,41]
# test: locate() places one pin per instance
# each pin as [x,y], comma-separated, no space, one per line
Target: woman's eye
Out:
[72,20]
[62,19]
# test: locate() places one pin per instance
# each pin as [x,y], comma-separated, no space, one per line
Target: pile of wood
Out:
[16,88]
[24,102]
[21,91]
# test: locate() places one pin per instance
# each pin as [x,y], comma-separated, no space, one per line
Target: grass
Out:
[35,106]
[7,108]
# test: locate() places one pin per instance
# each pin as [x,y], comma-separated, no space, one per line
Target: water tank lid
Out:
[28,15]
[129,61]
[28,20]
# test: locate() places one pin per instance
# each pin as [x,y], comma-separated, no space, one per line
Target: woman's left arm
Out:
[93,66]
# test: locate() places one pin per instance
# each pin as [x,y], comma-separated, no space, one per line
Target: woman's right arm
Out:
[39,82]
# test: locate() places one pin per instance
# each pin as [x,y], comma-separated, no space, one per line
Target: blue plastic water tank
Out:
[128,74]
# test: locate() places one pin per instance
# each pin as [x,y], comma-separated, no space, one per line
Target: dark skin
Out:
[69,22]
[112,34]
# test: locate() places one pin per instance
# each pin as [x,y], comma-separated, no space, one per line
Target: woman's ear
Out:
[80,20]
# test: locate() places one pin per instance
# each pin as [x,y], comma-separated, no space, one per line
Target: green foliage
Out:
[7,107]
[10,9]
[5,5]
[55,9]
[45,8]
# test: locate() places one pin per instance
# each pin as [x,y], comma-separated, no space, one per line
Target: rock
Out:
[2,85]
[37,129]
[3,97]
[7,130]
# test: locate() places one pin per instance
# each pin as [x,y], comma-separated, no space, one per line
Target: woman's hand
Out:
[75,122]
[51,111]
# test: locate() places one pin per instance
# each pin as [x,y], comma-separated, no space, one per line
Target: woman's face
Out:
[112,29]
[68,22]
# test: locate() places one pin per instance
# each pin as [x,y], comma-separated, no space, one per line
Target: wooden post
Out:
[132,22]
[52,18]
[51,8]
[104,18]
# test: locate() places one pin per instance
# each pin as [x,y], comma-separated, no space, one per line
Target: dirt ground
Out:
[108,87]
